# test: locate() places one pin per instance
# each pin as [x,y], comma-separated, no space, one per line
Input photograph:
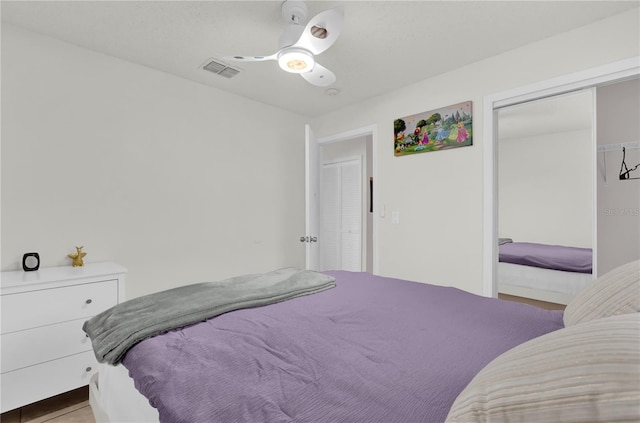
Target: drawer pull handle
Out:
[89,301]
[88,369]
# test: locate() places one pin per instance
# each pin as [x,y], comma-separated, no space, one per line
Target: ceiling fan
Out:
[299,43]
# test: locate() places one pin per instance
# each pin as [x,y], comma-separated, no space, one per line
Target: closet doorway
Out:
[617,72]
[341,214]
[347,227]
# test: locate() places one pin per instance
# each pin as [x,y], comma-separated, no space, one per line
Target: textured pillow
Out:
[616,292]
[584,373]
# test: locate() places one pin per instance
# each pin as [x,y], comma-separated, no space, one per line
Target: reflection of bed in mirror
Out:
[541,197]
[551,273]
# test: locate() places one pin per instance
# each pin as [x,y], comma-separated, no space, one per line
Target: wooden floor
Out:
[70,407]
[541,304]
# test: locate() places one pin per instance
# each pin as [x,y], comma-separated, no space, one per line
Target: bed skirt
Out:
[553,286]
[114,398]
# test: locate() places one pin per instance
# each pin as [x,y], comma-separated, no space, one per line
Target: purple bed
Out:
[554,257]
[372,349]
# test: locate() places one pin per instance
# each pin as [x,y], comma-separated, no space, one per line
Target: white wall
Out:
[439,195]
[176,181]
[141,167]
[545,185]
[618,108]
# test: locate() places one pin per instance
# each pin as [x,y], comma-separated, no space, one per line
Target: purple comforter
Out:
[372,349]
[555,257]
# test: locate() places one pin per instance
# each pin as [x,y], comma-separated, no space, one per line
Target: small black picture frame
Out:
[30,262]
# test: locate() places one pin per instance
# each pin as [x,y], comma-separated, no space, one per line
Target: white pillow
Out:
[589,372]
[616,292]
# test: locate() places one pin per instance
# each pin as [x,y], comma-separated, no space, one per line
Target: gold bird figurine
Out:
[77,257]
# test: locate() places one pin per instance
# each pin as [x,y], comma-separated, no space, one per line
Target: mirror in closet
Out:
[546,197]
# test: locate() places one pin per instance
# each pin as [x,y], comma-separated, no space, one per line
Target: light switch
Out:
[395,217]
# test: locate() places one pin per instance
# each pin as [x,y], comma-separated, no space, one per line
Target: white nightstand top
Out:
[18,280]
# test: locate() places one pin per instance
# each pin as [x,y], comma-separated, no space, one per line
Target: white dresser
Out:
[44,351]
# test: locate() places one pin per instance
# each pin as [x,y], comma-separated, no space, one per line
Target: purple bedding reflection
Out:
[372,349]
[556,257]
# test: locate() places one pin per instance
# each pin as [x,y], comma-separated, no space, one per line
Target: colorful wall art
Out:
[440,129]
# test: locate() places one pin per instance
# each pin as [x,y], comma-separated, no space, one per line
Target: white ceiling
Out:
[384,44]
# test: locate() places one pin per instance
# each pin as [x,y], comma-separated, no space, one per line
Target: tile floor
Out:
[70,407]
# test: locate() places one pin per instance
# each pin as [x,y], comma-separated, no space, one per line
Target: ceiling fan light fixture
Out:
[296,60]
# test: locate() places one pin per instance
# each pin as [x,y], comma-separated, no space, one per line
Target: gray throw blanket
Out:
[117,329]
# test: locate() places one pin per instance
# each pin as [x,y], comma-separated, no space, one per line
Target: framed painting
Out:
[440,129]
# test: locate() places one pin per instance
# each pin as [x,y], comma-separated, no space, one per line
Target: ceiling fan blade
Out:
[251,58]
[322,31]
[319,76]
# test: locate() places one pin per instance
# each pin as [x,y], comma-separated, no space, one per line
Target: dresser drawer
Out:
[47,306]
[45,343]
[45,380]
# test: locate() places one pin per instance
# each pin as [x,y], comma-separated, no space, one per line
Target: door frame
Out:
[372,131]
[609,73]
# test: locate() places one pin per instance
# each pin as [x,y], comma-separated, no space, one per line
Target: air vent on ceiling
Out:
[220,68]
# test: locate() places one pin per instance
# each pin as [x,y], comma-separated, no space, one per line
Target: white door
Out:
[341,216]
[312,200]
[351,220]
